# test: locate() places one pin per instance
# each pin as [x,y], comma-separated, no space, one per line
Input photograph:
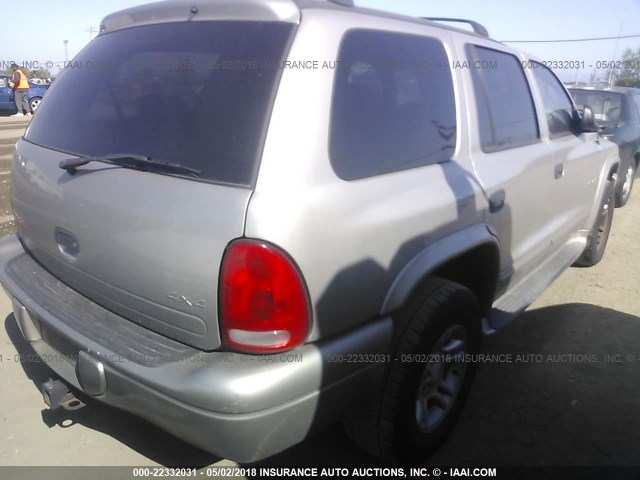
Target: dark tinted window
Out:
[506,114]
[557,105]
[393,105]
[193,93]
[606,106]
[636,100]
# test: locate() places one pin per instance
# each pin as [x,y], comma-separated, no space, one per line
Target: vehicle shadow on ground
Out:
[559,386]
[567,400]
[136,433]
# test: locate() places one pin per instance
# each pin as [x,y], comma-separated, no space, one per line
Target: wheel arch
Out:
[610,167]
[609,172]
[470,257]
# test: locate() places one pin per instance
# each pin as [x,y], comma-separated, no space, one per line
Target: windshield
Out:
[197,94]
[606,106]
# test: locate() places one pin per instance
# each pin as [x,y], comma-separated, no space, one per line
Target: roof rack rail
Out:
[477,28]
[344,3]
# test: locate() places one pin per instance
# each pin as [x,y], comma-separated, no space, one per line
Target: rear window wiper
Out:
[139,162]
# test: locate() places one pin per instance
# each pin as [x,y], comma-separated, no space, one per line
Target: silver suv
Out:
[244,220]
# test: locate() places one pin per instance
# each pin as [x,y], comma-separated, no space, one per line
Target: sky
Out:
[40,37]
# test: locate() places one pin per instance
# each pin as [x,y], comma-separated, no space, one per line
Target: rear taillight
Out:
[263,299]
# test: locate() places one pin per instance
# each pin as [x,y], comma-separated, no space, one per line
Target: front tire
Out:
[623,191]
[599,235]
[428,379]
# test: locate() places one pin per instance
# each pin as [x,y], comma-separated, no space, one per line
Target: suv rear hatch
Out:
[147,242]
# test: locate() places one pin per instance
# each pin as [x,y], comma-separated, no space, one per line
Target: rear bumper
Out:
[241,407]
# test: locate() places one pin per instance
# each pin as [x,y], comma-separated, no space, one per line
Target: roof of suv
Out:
[267,10]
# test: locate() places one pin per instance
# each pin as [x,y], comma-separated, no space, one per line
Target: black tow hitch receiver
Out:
[56,394]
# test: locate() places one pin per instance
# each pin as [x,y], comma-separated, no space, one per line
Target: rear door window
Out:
[393,105]
[198,94]
[506,114]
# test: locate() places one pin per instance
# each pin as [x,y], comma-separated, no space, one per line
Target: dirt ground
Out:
[569,396]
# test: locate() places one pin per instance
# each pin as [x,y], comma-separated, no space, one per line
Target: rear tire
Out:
[34,103]
[428,379]
[599,235]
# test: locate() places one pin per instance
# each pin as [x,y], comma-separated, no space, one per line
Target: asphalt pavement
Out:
[570,394]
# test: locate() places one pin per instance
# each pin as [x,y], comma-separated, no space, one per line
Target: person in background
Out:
[21,90]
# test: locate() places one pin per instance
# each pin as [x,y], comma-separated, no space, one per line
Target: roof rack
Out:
[477,28]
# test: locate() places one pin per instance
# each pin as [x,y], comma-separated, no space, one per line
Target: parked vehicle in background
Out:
[617,110]
[7,104]
[248,249]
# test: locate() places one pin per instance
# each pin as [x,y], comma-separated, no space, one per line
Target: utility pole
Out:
[66,53]
[615,51]
[91,31]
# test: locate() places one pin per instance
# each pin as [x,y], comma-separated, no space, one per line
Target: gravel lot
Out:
[571,398]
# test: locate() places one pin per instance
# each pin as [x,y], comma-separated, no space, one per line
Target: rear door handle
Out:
[559,171]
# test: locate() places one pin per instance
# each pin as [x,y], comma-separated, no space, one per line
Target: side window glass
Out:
[557,104]
[506,114]
[606,106]
[636,100]
[393,105]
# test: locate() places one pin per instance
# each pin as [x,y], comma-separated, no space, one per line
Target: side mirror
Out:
[588,121]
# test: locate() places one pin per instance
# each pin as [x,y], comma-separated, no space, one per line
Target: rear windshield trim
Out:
[167,174]
[269,115]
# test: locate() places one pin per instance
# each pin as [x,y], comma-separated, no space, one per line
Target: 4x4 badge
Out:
[182,299]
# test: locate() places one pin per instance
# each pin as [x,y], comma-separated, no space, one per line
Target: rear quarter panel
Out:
[349,238]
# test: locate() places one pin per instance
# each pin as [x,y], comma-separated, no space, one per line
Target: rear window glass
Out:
[393,105]
[197,94]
